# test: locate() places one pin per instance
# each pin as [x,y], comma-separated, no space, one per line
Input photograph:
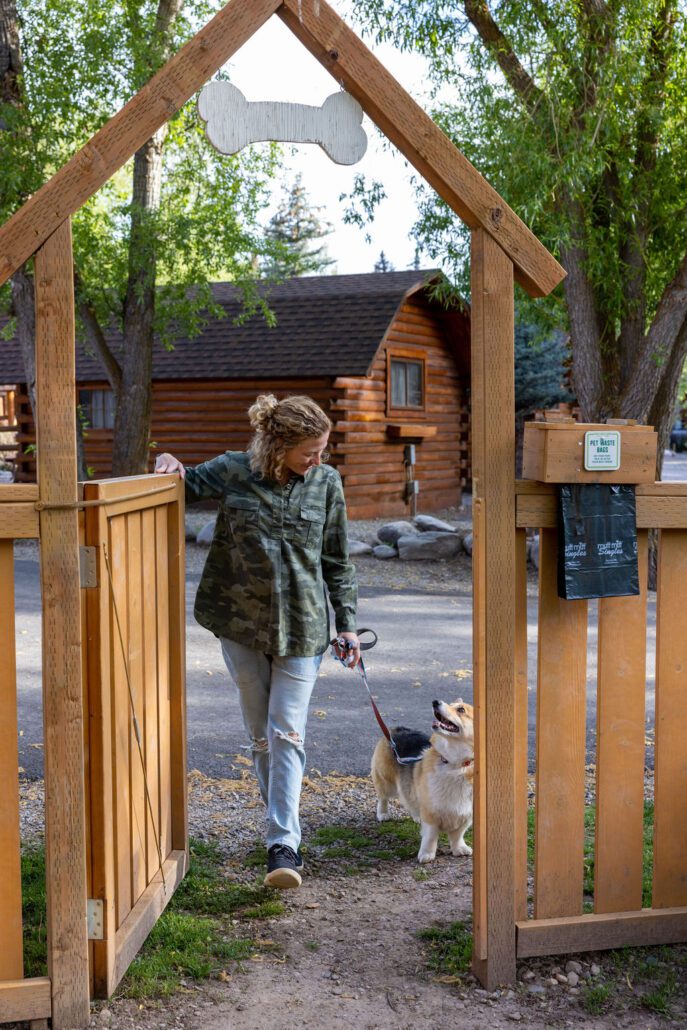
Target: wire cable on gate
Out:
[137,731]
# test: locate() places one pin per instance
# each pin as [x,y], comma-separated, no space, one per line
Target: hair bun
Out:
[262,412]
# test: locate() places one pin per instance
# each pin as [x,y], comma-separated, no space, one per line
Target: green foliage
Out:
[596,998]
[540,369]
[293,232]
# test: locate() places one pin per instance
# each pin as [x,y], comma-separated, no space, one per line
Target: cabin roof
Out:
[327,325]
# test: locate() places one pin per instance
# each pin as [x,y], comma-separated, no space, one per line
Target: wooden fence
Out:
[135,800]
[557,921]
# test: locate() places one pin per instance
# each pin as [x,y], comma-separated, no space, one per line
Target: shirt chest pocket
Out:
[242,515]
[309,527]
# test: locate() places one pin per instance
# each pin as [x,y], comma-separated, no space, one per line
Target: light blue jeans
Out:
[274,693]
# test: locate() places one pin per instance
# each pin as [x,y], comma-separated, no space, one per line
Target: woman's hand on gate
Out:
[167,463]
[351,649]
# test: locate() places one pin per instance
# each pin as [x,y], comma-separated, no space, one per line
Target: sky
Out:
[274,65]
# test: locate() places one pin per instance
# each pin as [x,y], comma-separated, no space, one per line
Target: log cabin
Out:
[387,360]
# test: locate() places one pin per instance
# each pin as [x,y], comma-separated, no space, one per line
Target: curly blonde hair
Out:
[280,425]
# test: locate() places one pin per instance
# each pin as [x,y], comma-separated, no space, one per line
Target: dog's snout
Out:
[435,704]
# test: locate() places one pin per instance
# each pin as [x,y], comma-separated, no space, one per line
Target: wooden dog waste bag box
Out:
[595,468]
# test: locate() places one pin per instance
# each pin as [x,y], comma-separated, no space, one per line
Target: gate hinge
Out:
[88,569]
[95,919]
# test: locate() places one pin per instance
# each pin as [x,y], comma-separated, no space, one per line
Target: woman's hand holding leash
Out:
[347,647]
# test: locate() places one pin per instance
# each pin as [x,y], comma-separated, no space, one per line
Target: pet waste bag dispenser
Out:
[595,469]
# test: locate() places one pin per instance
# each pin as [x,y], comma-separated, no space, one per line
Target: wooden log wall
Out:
[196,420]
[371,462]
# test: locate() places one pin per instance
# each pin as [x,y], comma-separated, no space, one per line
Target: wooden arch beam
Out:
[346,57]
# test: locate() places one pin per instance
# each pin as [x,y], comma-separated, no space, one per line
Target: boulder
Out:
[384,551]
[204,538]
[391,531]
[357,547]
[467,542]
[428,524]
[429,546]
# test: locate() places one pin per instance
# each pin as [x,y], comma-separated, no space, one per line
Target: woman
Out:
[280,536]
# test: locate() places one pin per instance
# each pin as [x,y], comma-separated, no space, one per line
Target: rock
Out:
[527,974]
[428,524]
[384,551]
[536,989]
[515,1016]
[391,531]
[105,1017]
[573,978]
[467,542]
[357,547]
[595,970]
[573,967]
[561,978]
[429,546]
[204,538]
[534,551]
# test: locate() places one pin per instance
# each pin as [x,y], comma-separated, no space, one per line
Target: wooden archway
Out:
[503,251]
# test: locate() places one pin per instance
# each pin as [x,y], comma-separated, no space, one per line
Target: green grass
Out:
[194,937]
[449,948]
[34,912]
[596,998]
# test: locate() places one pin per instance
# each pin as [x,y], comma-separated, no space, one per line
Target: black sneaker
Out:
[299,861]
[283,864]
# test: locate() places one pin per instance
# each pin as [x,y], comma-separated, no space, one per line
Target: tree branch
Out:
[500,48]
[97,341]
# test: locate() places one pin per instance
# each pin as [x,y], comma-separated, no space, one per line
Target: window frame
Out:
[406,354]
[102,391]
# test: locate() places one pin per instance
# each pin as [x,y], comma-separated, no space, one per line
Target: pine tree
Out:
[294,230]
[382,264]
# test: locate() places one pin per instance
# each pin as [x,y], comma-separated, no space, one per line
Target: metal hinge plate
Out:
[88,571]
[95,919]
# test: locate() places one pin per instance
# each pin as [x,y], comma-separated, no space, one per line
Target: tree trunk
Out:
[131,445]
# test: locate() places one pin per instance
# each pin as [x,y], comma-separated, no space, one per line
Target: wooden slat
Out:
[100,659]
[494,485]
[11,953]
[410,129]
[21,1000]
[163,678]
[670,793]
[18,522]
[620,747]
[176,546]
[62,688]
[121,721]
[134,616]
[122,136]
[150,688]
[598,932]
[560,763]
[15,493]
[480,888]
[142,918]
[521,725]
[659,506]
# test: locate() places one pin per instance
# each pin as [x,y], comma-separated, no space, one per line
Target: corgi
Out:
[436,790]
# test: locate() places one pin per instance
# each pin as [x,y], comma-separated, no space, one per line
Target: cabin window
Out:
[407,384]
[98,407]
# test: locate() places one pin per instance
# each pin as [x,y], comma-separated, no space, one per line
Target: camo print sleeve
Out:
[337,569]
[207,482]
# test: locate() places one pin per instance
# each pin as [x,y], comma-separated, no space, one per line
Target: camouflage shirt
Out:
[273,550]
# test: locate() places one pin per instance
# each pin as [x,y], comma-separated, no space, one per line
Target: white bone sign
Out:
[231,122]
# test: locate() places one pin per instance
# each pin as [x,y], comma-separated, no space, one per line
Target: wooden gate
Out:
[135,798]
[620,915]
[134,692]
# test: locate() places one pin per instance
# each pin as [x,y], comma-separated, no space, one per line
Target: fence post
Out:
[63,718]
[494,578]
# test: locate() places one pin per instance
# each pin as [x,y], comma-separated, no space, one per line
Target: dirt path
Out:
[347,950]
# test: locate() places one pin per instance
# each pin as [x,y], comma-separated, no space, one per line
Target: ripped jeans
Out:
[274,694]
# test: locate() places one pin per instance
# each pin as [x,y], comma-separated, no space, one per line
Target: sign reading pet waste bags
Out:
[597,554]
[602,451]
